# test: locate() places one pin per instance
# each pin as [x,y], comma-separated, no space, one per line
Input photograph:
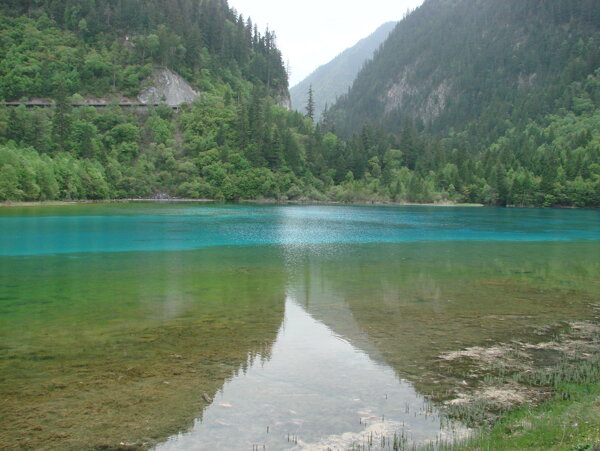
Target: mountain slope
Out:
[100,48]
[486,63]
[334,78]
[230,142]
[508,91]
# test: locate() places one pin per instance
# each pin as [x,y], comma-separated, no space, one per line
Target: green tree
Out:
[310,104]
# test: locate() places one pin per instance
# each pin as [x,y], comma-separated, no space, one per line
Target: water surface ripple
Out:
[142,227]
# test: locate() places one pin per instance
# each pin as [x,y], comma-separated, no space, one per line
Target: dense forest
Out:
[94,47]
[495,140]
[503,95]
[235,142]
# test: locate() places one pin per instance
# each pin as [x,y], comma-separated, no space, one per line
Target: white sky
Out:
[312,32]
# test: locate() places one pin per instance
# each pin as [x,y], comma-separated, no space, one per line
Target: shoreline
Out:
[58,203]
[447,204]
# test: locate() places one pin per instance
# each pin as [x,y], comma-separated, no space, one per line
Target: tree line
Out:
[235,142]
[229,149]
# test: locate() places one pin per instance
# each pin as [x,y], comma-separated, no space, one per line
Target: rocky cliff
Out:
[165,86]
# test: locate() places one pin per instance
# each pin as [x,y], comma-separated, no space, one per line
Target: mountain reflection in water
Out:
[316,391]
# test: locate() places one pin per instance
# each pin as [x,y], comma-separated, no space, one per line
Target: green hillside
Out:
[477,64]
[99,47]
[482,98]
[234,142]
[473,101]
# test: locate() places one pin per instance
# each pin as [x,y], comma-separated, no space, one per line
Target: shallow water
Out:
[316,391]
[320,323]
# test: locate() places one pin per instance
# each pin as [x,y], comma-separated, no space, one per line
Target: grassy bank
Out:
[570,420]
[561,408]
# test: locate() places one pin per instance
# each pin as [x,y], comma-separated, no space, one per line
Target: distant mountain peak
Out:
[333,79]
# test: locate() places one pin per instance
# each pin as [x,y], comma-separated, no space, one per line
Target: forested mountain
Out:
[94,47]
[467,101]
[234,142]
[484,64]
[334,78]
[484,101]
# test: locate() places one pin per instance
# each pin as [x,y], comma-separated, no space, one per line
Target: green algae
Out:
[126,345]
[413,302]
[102,349]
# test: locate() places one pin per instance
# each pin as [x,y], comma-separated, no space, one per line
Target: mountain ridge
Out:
[450,63]
[334,78]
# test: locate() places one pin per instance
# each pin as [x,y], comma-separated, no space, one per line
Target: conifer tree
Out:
[310,105]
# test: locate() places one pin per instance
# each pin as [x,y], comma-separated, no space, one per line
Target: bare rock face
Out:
[402,93]
[284,100]
[165,86]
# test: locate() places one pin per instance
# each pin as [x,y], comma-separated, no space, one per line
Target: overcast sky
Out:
[312,32]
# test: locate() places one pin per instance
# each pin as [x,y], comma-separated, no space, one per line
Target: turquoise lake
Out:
[142,227]
[182,326]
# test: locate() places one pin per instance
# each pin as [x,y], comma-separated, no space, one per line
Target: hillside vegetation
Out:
[95,47]
[235,142]
[516,121]
[486,100]
[476,65]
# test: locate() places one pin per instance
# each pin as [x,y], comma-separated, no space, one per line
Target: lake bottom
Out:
[286,347]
